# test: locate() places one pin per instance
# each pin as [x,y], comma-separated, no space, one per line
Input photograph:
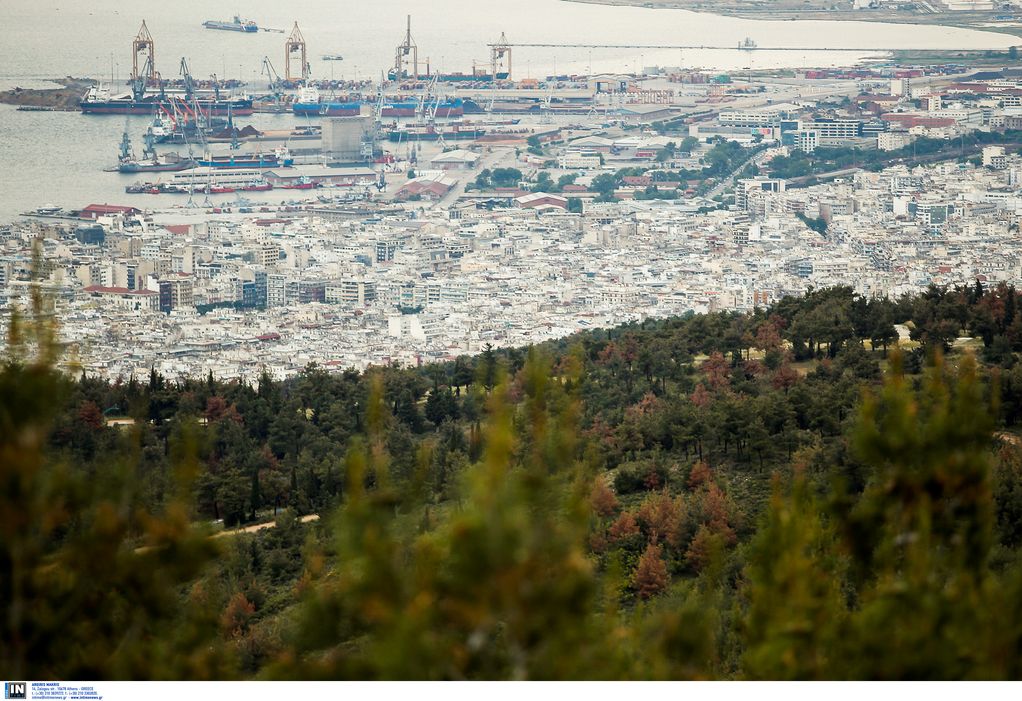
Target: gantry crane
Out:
[405,49]
[295,52]
[499,70]
[143,45]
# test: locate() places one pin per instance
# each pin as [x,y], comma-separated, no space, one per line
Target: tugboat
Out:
[235,25]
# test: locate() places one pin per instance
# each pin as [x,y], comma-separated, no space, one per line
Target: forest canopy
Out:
[830,488]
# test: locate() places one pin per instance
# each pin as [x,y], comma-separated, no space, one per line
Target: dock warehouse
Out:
[337,177]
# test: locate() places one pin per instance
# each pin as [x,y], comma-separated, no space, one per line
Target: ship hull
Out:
[401,135]
[155,168]
[238,108]
[231,27]
[245,162]
[327,109]
[400,109]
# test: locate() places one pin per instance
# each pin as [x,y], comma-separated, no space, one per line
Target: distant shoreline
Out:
[822,13]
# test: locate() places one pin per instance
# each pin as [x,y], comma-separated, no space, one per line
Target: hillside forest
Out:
[828,488]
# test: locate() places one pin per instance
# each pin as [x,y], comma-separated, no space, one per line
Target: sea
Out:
[57,158]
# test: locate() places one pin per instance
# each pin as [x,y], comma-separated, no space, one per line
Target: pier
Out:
[712,47]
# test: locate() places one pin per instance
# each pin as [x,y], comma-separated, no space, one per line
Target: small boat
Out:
[302,183]
[257,186]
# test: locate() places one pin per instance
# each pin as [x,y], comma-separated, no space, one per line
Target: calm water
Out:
[56,157]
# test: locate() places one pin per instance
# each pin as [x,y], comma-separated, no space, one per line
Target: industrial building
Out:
[348,139]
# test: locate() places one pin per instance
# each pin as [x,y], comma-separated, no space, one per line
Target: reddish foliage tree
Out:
[718,371]
[651,576]
[649,404]
[603,499]
[785,378]
[623,528]
[717,513]
[755,368]
[700,550]
[90,415]
[768,336]
[700,397]
[236,616]
[701,474]
[662,517]
[217,409]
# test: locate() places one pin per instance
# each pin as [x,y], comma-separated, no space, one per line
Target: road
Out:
[970,150]
[497,159]
[263,526]
[723,184]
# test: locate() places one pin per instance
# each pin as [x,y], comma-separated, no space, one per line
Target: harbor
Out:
[412,101]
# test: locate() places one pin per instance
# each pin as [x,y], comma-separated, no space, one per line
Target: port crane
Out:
[189,82]
[276,82]
[139,81]
[405,49]
[295,53]
[143,45]
[500,51]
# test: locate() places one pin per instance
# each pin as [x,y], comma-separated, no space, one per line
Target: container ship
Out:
[101,101]
[235,25]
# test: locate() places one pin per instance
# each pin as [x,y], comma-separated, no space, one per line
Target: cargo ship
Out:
[235,25]
[405,108]
[278,158]
[150,161]
[409,108]
[100,101]
[255,185]
[431,132]
[167,164]
[310,104]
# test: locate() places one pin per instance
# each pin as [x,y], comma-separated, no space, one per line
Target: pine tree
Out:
[651,576]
